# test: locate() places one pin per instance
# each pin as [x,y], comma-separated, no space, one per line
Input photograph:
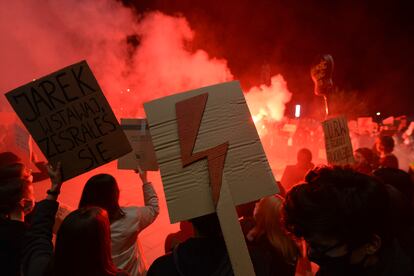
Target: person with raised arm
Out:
[127,221]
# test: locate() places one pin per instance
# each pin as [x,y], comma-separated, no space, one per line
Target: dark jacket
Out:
[11,242]
[196,256]
[38,247]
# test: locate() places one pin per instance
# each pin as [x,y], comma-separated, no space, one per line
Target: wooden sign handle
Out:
[233,235]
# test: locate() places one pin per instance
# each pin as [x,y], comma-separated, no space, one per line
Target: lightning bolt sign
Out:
[189,113]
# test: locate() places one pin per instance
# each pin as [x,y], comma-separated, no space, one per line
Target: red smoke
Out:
[135,58]
[39,39]
[267,103]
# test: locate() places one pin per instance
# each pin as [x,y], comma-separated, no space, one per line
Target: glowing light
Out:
[297,111]
[290,142]
[378,113]
[128,90]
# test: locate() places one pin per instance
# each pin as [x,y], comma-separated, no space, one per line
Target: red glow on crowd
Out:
[134,58]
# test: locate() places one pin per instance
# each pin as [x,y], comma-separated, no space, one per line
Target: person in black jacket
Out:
[16,204]
[203,255]
[83,244]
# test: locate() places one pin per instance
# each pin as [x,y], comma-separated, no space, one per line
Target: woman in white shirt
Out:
[126,222]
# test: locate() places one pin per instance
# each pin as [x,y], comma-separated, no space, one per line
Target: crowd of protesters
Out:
[328,220]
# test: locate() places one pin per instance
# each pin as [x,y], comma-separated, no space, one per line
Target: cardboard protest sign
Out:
[225,119]
[337,141]
[211,159]
[143,154]
[70,119]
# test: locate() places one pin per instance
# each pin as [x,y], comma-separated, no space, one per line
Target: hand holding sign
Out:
[55,174]
[142,175]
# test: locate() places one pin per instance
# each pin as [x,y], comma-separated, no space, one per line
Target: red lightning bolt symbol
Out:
[189,114]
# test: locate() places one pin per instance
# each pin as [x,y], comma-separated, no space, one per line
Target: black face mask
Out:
[338,265]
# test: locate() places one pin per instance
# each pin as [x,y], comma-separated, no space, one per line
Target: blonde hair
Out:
[269,223]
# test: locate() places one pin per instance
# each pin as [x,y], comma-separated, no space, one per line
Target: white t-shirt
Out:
[126,251]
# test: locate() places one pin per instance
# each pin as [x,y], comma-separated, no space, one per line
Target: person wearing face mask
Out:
[343,217]
[16,204]
[16,201]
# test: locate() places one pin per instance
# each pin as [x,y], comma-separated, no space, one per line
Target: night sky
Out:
[372,44]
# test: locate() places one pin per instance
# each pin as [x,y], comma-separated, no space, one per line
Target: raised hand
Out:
[55,177]
[142,175]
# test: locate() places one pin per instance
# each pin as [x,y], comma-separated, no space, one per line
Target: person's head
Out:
[207,226]
[304,156]
[364,160]
[268,218]
[83,245]
[341,214]
[102,191]
[16,197]
[385,144]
